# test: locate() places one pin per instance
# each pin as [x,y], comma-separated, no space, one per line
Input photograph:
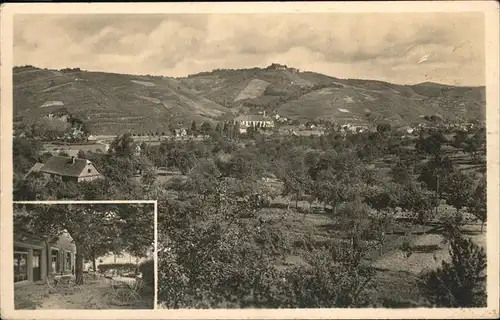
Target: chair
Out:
[123,294]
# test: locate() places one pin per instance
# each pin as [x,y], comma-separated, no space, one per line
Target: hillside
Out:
[308,95]
[107,102]
[112,103]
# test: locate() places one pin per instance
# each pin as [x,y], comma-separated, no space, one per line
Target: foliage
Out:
[459,189]
[435,172]
[120,267]
[477,201]
[148,272]
[123,146]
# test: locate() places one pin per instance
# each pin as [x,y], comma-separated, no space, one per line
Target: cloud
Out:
[340,44]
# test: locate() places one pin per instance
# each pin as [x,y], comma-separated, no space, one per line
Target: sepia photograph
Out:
[288,159]
[83,256]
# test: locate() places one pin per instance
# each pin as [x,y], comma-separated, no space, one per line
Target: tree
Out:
[25,153]
[472,146]
[206,128]
[81,154]
[384,128]
[219,128]
[477,202]
[295,176]
[235,130]
[123,146]
[194,128]
[459,189]
[383,197]
[417,201]
[459,139]
[461,282]
[435,172]
[430,145]
[199,263]
[401,172]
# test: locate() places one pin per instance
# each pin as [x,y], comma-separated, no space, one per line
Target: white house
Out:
[246,121]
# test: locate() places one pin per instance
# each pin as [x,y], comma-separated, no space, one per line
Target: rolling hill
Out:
[111,103]
[308,95]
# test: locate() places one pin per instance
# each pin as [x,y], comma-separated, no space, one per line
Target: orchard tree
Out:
[460,283]
[459,189]
[417,201]
[206,128]
[478,201]
[194,128]
[123,146]
[25,154]
[435,172]
[197,260]
[459,139]
[295,176]
[430,145]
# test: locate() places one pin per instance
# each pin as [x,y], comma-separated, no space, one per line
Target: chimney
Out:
[73,160]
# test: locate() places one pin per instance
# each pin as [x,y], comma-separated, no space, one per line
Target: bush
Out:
[120,267]
[148,272]
[461,282]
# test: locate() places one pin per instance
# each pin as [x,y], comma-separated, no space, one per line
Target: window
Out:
[20,264]
[55,261]
[68,261]
[89,170]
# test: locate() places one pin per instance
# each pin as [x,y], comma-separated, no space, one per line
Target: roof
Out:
[252,118]
[36,168]
[64,166]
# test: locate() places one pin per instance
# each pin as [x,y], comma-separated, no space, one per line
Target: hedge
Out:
[120,267]
[148,272]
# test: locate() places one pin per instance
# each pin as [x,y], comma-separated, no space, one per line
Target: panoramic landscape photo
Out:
[305,160]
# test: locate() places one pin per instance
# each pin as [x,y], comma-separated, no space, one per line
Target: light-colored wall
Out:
[89,173]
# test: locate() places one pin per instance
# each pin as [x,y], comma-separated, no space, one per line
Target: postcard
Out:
[288,160]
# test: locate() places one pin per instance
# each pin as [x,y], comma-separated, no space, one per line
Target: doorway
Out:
[37,255]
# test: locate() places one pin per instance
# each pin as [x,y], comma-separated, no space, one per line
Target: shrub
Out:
[459,283]
[148,271]
[120,267]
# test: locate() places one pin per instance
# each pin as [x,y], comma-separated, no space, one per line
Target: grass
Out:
[89,296]
[396,277]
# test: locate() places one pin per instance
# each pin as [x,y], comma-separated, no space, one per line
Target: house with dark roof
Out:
[68,169]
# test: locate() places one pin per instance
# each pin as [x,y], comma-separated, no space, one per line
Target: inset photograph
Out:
[84,256]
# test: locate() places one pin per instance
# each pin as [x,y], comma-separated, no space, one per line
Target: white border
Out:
[489,8]
[5,250]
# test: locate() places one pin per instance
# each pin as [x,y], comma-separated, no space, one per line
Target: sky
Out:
[404,48]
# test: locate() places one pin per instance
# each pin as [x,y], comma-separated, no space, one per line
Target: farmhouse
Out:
[68,169]
[180,133]
[35,258]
